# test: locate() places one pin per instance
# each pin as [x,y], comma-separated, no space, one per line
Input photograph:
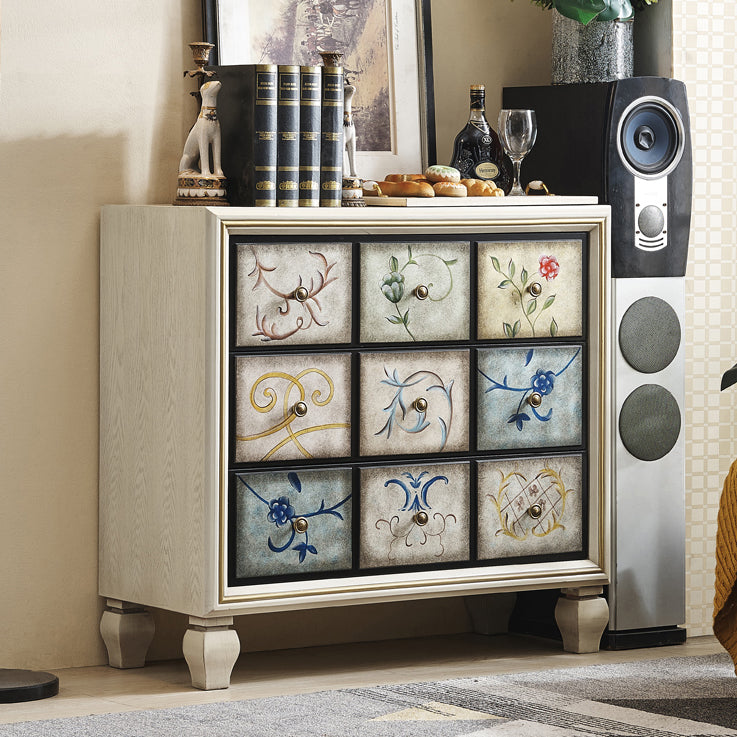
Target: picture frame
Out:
[387,57]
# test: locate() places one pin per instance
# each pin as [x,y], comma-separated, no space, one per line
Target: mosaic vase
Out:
[597,52]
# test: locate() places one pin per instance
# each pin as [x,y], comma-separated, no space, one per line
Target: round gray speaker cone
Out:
[649,422]
[651,221]
[649,335]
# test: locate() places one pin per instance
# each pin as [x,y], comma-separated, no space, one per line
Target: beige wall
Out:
[93,110]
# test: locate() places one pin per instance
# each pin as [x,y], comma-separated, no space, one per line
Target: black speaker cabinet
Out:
[628,142]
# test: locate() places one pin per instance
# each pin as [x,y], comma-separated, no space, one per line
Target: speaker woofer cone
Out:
[650,137]
[649,422]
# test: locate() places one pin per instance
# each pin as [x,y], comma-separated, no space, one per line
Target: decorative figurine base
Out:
[195,189]
[26,685]
[352,193]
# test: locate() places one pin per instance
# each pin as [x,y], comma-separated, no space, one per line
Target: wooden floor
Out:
[102,690]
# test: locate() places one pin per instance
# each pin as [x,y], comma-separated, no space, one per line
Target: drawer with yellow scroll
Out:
[291,407]
[293,293]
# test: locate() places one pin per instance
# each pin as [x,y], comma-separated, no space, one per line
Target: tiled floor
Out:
[101,690]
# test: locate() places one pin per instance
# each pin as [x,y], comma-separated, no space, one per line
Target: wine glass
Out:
[517,132]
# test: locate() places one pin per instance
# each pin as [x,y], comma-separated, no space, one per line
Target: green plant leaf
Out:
[405,318]
[511,269]
[504,284]
[495,264]
[531,307]
[553,328]
[517,327]
[523,276]
[394,319]
[410,260]
[508,330]
[584,11]
[451,262]
[549,301]
[393,264]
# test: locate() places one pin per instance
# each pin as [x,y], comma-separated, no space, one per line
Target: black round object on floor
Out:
[26,685]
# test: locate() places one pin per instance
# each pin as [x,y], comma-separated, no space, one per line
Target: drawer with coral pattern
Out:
[530,397]
[413,402]
[292,407]
[291,522]
[530,289]
[414,514]
[532,506]
[414,291]
[293,293]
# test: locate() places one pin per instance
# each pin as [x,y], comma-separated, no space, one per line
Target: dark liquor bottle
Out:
[477,152]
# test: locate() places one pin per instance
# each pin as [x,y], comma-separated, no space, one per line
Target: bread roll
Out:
[479,187]
[406,189]
[404,177]
[450,189]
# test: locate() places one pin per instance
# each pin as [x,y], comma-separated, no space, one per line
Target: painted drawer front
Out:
[530,397]
[414,402]
[414,514]
[295,406]
[530,507]
[417,291]
[293,293]
[293,522]
[530,289]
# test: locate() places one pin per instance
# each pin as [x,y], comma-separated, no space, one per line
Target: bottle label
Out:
[486,170]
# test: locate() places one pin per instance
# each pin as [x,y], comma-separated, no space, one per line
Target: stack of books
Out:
[282,134]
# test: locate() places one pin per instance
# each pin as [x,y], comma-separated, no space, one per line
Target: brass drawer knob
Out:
[301,294]
[535,399]
[300,409]
[536,289]
[300,525]
[535,511]
[421,519]
[422,292]
[420,404]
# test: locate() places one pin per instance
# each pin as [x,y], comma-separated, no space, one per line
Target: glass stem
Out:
[517,187]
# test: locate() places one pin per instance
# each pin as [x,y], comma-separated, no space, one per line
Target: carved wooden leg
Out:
[127,630]
[490,613]
[582,614]
[211,648]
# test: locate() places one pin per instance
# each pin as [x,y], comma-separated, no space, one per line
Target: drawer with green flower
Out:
[414,291]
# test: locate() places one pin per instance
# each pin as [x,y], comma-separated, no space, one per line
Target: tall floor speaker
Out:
[629,143]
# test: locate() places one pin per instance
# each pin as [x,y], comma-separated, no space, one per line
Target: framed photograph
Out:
[387,56]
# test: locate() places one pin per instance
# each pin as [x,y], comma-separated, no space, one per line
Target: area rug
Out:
[694,696]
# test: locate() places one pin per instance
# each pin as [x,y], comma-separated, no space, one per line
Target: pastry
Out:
[450,189]
[406,189]
[440,173]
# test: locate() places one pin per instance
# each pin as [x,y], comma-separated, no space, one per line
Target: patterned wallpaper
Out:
[705,58]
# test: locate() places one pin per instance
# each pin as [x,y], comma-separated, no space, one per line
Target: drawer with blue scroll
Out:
[530,397]
[414,291]
[415,514]
[530,289]
[413,402]
[292,407]
[291,522]
[531,506]
[293,293]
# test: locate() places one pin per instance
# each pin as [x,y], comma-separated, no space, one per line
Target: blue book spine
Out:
[331,138]
[287,138]
[310,95]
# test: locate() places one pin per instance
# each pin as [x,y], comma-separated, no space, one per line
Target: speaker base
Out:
[635,639]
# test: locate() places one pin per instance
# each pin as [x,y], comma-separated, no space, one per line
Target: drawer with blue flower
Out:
[296,521]
[416,291]
[530,397]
